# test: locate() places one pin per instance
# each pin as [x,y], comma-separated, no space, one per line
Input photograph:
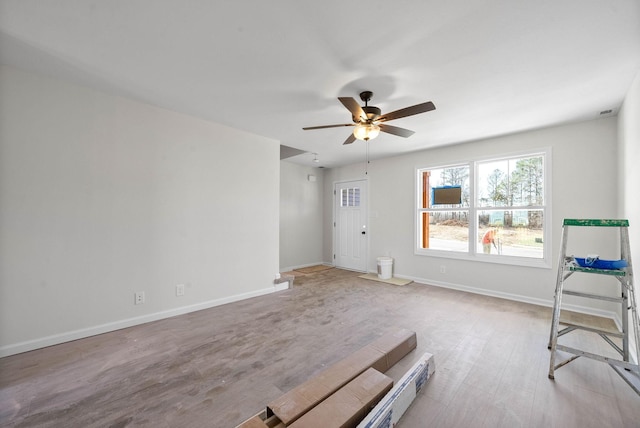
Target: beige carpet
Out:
[392,280]
[313,269]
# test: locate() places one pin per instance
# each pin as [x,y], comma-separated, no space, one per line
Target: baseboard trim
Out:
[518,298]
[69,336]
[290,268]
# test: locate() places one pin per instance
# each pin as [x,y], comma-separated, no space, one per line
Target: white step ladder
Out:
[626,368]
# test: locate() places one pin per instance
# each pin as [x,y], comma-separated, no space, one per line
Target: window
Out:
[444,222]
[350,197]
[493,210]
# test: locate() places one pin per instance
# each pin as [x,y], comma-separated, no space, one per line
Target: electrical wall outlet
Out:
[139,298]
[443,269]
[180,290]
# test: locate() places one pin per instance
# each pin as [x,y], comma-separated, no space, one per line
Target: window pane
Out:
[446,187]
[511,182]
[511,233]
[350,197]
[447,230]
[493,183]
[355,200]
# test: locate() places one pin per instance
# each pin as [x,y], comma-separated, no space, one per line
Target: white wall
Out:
[103,196]
[629,139]
[629,179]
[584,159]
[301,210]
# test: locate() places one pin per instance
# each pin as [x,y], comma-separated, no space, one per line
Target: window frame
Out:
[474,251]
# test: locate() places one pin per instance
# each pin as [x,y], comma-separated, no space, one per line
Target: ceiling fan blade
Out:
[408,111]
[350,139]
[327,126]
[400,132]
[353,106]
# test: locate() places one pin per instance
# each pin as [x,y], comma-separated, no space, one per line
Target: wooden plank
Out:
[261,421]
[591,328]
[254,422]
[381,354]
[350,404]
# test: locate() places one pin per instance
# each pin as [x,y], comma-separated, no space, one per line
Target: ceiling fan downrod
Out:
[371,112]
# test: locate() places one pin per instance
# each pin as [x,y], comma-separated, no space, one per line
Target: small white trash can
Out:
[385,267]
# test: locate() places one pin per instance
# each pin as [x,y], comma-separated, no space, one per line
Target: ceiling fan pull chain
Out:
[366,164]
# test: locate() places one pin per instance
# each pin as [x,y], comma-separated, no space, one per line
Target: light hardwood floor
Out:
[217,367]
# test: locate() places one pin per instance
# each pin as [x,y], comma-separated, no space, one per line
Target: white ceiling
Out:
[491,67]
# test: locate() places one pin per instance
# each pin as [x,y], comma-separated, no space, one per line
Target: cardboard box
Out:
[254,422]
[381,355]
[394,346]
[348,405]
[261,421]
[390,409]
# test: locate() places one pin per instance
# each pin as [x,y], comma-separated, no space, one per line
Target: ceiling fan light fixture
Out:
[367,118]
[366,131]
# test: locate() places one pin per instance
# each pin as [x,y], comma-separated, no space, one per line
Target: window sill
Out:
[486,258]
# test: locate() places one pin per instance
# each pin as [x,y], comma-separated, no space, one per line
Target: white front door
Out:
[351,225]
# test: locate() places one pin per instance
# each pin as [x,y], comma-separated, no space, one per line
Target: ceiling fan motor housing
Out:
[372,112]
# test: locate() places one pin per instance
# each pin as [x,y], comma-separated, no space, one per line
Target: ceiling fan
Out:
[368,120]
